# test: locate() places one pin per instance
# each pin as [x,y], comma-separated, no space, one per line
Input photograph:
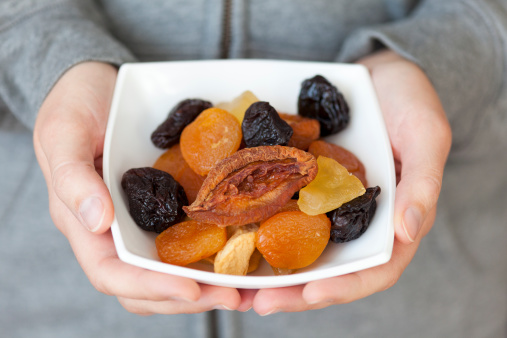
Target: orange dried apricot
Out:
[214,135]
[342,156]
[291,205]
[172,161]
[293,239]
[305,130]
[332,187]
[190,241]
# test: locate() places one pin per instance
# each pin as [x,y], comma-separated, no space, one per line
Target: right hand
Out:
[68,141]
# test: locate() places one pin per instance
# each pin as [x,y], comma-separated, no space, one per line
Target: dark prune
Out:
[168,133]
[155,199]
[351,220]
[320,100]
[262,126]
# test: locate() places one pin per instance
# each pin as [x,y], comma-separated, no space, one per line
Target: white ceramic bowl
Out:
[144,94]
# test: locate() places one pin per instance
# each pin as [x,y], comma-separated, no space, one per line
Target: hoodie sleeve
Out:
[40,40]
[460,44]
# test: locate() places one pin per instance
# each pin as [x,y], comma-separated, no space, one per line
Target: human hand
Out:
[421,139]
[68,141]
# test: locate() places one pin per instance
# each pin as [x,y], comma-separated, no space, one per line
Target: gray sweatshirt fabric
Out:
[456,284]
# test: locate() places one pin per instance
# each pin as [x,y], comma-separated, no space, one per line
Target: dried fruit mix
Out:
[239,189]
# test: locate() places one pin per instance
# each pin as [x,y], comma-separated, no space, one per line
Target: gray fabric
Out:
[456,284]
[41,39]
[43,291]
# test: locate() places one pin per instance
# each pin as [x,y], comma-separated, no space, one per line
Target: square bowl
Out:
[144,94]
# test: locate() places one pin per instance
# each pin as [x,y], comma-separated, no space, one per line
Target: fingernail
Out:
[180,299]
[412,221]
[275,310]
[321,301]
[222,307]
[92,212]
[247,309]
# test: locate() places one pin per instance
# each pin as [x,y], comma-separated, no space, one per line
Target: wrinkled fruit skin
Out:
[214,135]
[251,185]
[155,199]
[293,239]
[351,220]
[168,133]
[305,130]
[320,100]
[342,156]
[190,241]
[172,162]
[262,126]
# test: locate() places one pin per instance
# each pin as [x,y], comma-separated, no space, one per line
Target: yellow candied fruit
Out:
[239,105]
[332,187]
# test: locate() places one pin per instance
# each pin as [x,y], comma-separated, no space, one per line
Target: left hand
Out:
[421,139]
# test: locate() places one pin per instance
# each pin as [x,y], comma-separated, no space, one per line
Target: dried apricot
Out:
[172,161]
[252,185]
[190,241]
[332,187]
[305,130]
[214,135]
[293,239]
[291,205]
[239,105]
[342,156]
[168,133]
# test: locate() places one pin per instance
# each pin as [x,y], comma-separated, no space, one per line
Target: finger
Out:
[213,297]
[287,299]
[247,297]
[270,301]
[219,297]
[351,287]
[108,274]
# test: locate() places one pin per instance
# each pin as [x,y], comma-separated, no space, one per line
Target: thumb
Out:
[422,156]
[70,172]
[68,139]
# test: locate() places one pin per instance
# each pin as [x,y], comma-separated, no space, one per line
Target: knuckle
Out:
[431,185]
[133,307]
[100,286]
[390,282]
[61,177]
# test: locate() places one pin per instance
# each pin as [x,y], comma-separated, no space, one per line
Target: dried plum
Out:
[262,126]
[168,133]
[155,199]
[320,100]
[351,220]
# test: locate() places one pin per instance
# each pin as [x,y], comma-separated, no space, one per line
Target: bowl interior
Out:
[145,93]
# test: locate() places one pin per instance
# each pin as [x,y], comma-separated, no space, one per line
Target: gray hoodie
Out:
[456,284]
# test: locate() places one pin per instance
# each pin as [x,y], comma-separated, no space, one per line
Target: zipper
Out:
[226,30]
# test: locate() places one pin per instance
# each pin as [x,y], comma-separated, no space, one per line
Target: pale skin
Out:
[68,141]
